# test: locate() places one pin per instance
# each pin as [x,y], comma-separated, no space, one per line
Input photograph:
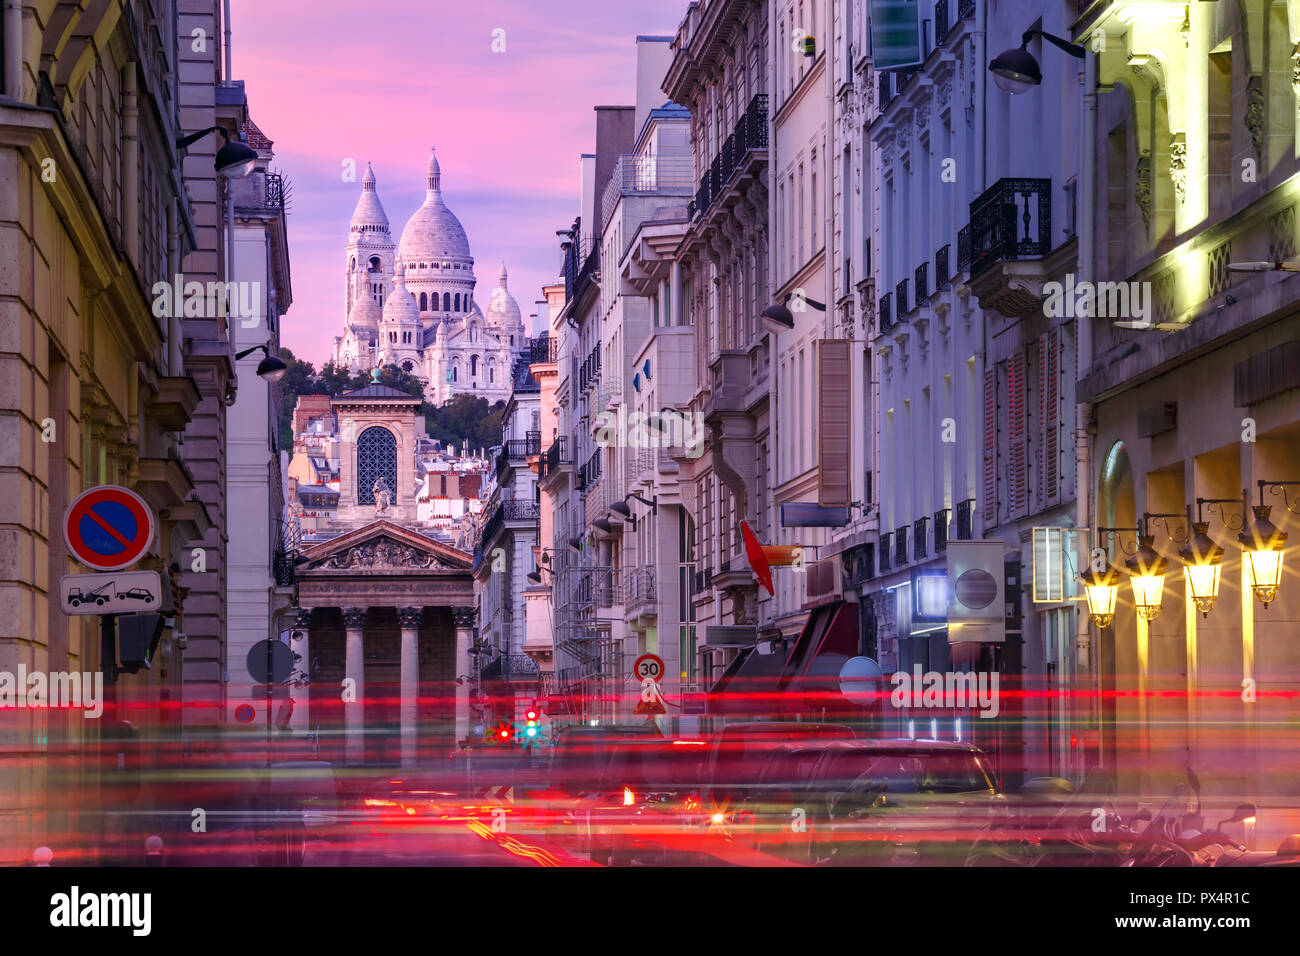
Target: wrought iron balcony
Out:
[921,279]
[1011,220]
[886,316]
[920,537]
[282,568]
[558,454]
[750,134]
[518,668]
[886,551]
[900,546]
[941,275]
[274,191]
[900,298]
[645,176]
[940,22]
[641,587]
[941,531]
[965,8]
[963,249]
[543,349]
[509,510]
[965,514]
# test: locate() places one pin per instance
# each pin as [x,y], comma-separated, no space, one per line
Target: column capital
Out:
[354,617]
[464,616]
[409,616]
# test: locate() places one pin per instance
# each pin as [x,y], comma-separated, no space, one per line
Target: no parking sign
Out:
[108,527]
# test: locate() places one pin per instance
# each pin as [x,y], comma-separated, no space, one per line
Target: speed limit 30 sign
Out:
[648,667]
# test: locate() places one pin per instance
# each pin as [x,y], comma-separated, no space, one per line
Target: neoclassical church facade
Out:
[411,304]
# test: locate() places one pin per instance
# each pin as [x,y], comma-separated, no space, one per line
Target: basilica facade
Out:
[411,303]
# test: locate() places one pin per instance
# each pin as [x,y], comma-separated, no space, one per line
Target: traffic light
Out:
[501,735]
[529,732]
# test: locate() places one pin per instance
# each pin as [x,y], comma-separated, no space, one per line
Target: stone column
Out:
[463,617]
[409,618]
[355,711]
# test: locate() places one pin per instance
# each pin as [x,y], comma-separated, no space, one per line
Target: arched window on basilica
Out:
[376,458]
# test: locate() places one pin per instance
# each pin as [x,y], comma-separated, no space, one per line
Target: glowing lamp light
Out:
[1101,589]
[1202,565]
[1147,575]
[629,798]
[1262,546]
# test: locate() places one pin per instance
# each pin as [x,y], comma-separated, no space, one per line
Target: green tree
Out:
[299,379]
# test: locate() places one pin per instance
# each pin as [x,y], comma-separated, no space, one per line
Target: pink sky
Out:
[384,82]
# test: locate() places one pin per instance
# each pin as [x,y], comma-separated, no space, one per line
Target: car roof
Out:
[903,745]
[782,726]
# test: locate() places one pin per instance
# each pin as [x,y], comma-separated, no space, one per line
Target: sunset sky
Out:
[327,82]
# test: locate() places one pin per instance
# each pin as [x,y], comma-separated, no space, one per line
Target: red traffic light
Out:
[531,714]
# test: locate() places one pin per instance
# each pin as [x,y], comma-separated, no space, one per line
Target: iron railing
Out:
[940,22]
[941,531]
[558,454]
[509,510]
[274,191]
[885,94]
[543,349]
[886,551]
[965,514]
[963,249]
[900,299]
[511,667]
[749,134]
[886,316]
[282,568]
[645,176]
[900,546]
[920,537]
[1011,220]
[641,587]
[921,280]
[941,275]
[965,8]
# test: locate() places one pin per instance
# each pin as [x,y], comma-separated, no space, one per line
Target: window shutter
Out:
[1017,464]
[1049,415]
[834,440]
[990,447]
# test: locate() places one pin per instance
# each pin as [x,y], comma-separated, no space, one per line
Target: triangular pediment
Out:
[385,545]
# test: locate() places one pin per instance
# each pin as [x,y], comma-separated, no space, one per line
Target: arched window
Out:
[374,264]
[492,373]
[454,370]
[376,458]
[424,302]
[456,302]
[446,302]
[473,365]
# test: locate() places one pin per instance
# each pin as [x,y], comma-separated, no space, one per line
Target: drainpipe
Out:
[13,47]
[225,13]
[130,166]
[979,114]
[1087,659]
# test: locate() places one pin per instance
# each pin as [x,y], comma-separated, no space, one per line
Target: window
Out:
[376,459]
[456,302]
[812,206]
[424,302]
[446,302]
[473,365]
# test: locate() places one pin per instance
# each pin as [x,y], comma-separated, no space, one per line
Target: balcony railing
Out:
[641,587]
[920,537]
[646,176]
[520,448]
[921,278]
[885,87]
[543,349]
[900,299]
[965,8]
[274,191]
[282,567]
[509,510]
[511,667]
[558,454]
[749,134]
[941,275]
[900,546]
[965,513]
[1011,220]
[886,316]
[941,531]
[963,249]
[940,22]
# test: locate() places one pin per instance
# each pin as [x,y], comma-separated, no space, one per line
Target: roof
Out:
[255,137]
[379,391]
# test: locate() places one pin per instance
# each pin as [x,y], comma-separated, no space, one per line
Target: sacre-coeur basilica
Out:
[411,303]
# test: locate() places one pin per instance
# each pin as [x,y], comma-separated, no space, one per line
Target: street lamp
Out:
[1262,545]
[623,510]
[1202,564]
[1016,71]
[1101,589]
[778,318]
[1147,575]
[270,368]
[235,160]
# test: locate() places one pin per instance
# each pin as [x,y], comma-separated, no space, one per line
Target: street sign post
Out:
[116,592]
[269,662]
[108,528]
[648,667]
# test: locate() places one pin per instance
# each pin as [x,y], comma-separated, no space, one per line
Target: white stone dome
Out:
[369,212]
[433,232]
[366,312]
[400,307]
[503,310]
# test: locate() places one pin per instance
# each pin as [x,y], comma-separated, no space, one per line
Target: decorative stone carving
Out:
[383,497]
[383,553]
[409,616]
[1178,166]
[354,618]
[1143,191]
[1295,69]
[1281,235]
[463,617]
[743,600]
[1255,113]
[922,114]
[302,619]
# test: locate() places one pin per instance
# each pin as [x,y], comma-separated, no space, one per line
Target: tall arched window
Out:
[374,264]
[376,458]
[454,370]
[473,365]
[424,302]
[446,302]
[456,302]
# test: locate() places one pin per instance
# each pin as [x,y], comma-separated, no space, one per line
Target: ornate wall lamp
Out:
[1263,544]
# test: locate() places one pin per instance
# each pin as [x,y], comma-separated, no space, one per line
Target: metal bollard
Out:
[42,856]
[153,851]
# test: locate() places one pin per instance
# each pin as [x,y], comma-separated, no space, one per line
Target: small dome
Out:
[503,310]
[433,231]
[366,312]
[369,211]
[401,308]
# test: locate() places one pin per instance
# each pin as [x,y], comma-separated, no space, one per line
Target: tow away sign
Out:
[115,592]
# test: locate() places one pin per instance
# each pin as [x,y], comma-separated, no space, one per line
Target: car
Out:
[136,594]
[575,773]
[738,751]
